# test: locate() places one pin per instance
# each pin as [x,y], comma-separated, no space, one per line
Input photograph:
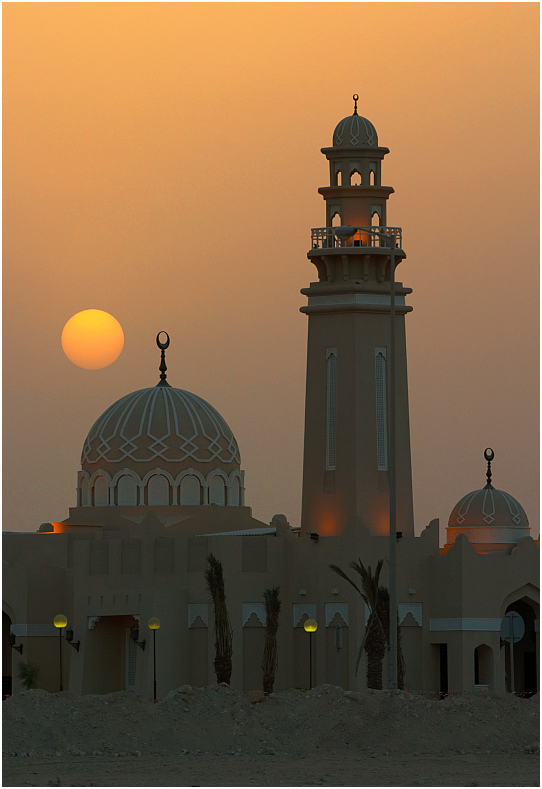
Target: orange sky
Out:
[161,162]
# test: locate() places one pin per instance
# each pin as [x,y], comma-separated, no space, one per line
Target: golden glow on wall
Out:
[92,339]
[327,524]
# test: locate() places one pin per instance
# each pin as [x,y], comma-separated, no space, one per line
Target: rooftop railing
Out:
[349,236]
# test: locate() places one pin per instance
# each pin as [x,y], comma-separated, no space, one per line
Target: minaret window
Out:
[338,176]
[381,410]
[355,178]
[336,220]
[331,410]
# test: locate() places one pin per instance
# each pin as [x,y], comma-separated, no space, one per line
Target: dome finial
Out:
[162,368]
[355,97]
[489,455]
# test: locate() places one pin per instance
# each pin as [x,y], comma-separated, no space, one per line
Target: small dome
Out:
[491,520]
[355,132]
[488,507]
[160,425]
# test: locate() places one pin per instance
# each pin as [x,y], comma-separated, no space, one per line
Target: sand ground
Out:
[217,736]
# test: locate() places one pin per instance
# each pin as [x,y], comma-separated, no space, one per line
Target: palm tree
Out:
[376,598]
[270,657]
[28,674]
[223,632]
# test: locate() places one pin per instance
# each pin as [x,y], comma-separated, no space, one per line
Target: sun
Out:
[92,339]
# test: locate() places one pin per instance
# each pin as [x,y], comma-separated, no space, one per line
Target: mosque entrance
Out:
[525,670]
[110,655]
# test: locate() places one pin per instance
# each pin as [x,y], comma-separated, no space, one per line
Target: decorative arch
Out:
[355,177]
[336,219]
[158,489]
[127,490]
[190,490]
[234,489]
[84,489]
[528,593]
[483,665]
[100,483]
[217,481]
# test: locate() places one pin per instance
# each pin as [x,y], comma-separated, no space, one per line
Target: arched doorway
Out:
[525,668]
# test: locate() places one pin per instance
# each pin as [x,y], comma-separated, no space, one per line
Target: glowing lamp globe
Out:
[92,339]
[60,620]
[310,625]
[154,623]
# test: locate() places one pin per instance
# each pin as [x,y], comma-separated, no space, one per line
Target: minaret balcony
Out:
[349,236]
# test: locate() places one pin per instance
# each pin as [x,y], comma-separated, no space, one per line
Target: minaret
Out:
[345,466]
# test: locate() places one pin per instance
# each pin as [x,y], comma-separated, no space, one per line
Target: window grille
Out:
[381,410]
[331,415]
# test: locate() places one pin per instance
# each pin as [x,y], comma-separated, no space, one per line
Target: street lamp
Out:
[310,627]
[154,625]
[60,622]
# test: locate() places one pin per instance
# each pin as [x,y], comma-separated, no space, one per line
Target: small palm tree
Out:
[223,632]
[28,674]
[375,640]
[270,654]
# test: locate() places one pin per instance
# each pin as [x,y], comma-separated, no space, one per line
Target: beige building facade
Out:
[161,487]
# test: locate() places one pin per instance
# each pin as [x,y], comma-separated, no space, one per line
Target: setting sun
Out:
[92,339]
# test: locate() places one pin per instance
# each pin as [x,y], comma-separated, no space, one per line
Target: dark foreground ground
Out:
[344,769]
[217,736]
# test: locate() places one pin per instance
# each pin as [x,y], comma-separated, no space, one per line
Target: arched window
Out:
[85,493]
[336,220]
[372,177]
[190,490]
[331,410]
[381,414]
[483,665]
[126,491]
[158,490]
[233,493]
[355,178]
[217,491]
[101,492]
[338,176]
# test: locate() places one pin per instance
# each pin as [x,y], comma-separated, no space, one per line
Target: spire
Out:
[355,97]
[162,368]
[489,455]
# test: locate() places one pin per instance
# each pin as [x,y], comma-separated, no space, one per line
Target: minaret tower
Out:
[346,456]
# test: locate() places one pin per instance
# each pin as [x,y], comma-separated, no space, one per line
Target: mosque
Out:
[161,487]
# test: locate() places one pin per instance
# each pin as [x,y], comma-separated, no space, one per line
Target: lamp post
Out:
[392,655]
[154,625]
[310,627]
[60,622]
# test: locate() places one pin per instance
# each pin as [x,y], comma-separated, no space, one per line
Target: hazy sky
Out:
[161,162]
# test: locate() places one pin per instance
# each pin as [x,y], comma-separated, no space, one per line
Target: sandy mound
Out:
[219,720]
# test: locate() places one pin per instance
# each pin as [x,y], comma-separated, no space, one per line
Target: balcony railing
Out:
[347,236]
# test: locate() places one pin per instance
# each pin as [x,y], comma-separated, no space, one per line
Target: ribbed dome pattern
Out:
[161,424]
[488,507]
[355,132]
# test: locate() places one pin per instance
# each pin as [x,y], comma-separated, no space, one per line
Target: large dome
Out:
[160,446]
[355,132]
[160,424]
